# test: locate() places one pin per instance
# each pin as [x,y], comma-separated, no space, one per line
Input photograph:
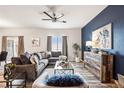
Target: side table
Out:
[15,81]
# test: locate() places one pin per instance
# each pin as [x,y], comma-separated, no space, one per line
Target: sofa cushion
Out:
[24,59]
[64,80]
[56,54]
[53,59]
[40,67]
[43,61]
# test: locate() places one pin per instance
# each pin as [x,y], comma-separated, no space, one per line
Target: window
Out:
[56,43]
[12,47]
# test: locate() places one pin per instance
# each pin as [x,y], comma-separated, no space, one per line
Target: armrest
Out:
[30,70]
[20,68]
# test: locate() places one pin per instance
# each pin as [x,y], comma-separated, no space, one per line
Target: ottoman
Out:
[40,82]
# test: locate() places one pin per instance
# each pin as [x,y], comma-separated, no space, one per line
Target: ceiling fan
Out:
[54,17]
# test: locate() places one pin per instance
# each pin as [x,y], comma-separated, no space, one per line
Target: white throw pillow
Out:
[48,54]
[32,60]
[43,54]
[36,59]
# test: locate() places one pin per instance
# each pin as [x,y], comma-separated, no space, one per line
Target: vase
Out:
[77,59]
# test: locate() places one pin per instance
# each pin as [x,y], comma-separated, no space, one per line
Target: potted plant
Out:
[9,70]
[76,48]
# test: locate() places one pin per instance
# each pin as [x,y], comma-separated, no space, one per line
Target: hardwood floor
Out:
[91,80]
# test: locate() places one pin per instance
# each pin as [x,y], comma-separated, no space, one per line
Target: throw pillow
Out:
[24,59]
[40,56]
[43,54]
[37,55]
[36,59]
[27,55]
[16,60]
[48,54]
[64,80]
[32,60]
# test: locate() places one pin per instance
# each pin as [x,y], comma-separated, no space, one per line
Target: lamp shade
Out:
[88,43]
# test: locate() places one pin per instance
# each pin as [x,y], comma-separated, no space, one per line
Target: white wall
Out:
[74,36]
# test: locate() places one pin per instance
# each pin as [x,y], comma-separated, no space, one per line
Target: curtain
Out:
[20,45]
[49,43]
[64,46]
[4,43]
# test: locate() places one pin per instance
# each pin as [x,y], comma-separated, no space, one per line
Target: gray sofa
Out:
[32,70]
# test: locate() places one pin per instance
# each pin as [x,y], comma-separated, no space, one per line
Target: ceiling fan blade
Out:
[61,21]
[46,19]
[48,14]
[64,21]
[54,14]
[60,16]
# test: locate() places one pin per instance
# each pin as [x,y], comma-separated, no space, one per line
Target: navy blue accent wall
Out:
[115,15]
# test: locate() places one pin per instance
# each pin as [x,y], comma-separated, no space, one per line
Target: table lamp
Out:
[89,45]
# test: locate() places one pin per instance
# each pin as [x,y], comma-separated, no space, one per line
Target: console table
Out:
[100,65]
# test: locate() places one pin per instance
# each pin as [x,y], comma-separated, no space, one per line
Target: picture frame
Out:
[35,42]
[102,37]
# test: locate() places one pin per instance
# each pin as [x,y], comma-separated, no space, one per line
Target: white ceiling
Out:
[29,16]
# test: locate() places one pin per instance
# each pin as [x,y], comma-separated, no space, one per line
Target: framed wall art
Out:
[35,42]
[102,37]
